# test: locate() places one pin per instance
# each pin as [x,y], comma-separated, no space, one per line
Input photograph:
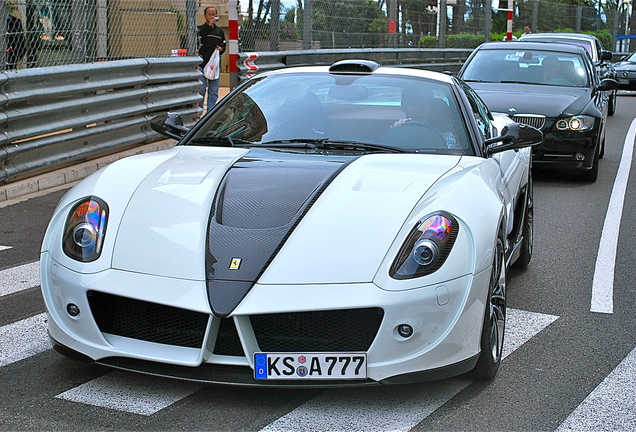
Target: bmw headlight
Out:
[426,247]
[85,229]
[576,123]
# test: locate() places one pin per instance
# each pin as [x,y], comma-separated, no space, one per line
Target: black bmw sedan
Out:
[626,72]
[553,87]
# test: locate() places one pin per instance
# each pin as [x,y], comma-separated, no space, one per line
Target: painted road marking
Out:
[19,278]
[603,283]
[131,392]
[22,339]
[5,247]
[611,406]
[391,408]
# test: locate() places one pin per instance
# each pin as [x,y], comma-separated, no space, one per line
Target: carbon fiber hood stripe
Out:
[260,201]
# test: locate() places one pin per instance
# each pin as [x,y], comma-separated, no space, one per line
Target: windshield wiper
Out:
[332,144]
[357,145]
[311,143]
[519,82]
[222,141]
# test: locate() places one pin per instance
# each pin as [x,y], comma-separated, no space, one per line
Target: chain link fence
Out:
[42,33]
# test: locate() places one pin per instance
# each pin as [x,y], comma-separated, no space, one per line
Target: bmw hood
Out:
[276,217]
[625,65]
[550,101]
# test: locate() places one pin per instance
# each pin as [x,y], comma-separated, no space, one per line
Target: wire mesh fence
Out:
[42,33]
[58,32]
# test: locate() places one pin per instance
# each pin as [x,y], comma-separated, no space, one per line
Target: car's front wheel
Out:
[492,333]
[611,108]
[525,254]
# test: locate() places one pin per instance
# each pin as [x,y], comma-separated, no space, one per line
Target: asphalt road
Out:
[570,345]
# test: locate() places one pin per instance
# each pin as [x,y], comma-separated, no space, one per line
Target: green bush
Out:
[469,40]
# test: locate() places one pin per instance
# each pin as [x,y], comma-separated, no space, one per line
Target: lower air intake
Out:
[146,321]
[331,331]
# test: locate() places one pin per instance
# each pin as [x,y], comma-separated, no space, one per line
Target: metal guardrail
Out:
[439,60]
[58,116]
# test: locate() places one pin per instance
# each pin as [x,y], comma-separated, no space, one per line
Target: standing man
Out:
[211,37]
[16,45]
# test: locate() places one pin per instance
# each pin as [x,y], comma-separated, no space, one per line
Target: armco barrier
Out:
[59,116]
[440,60]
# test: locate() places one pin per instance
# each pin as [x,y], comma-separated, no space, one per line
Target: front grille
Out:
[534,120]
[146,321]
[333,331]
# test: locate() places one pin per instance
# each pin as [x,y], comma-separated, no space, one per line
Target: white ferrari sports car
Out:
[347,225]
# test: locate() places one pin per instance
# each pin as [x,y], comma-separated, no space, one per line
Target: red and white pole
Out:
[509,20]
[233,41]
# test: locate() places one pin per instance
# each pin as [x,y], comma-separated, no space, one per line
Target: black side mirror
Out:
[514,136]
[169,125]
[606,55]
[608,84]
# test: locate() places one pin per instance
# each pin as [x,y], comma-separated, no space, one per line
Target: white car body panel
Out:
[336,253]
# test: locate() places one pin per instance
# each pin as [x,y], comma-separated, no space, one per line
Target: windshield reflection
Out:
[328,111]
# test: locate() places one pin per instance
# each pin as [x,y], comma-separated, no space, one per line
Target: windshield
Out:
[321,110]
[587,44]
[527,67]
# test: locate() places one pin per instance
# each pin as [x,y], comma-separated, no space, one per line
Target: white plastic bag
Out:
[211,70]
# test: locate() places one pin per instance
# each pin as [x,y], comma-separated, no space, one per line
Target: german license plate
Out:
[623,81]
[277,366]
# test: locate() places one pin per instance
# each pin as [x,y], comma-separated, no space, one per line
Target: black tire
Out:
[592,174]
[527,232]
[601,152]
[493,329]
[611,107]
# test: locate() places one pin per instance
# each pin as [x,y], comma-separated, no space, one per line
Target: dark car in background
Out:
[601,57]
[626,72]
[569,106]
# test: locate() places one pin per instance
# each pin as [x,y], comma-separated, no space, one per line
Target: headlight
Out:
[426,247]
[85,230]
[576,123]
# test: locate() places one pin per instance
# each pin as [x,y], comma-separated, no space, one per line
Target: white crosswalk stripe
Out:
[23,339]
[4,247]
[19,278]
[612,404]
[131,392]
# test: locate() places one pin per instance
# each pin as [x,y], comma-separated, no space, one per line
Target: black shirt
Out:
[209,38]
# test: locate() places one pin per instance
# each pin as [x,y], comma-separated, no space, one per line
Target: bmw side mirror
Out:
[169,125]
[514,136]
[606,55]
[608,84]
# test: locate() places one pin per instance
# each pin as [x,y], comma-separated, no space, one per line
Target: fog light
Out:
[405,330]
[72,309]
[579,157]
